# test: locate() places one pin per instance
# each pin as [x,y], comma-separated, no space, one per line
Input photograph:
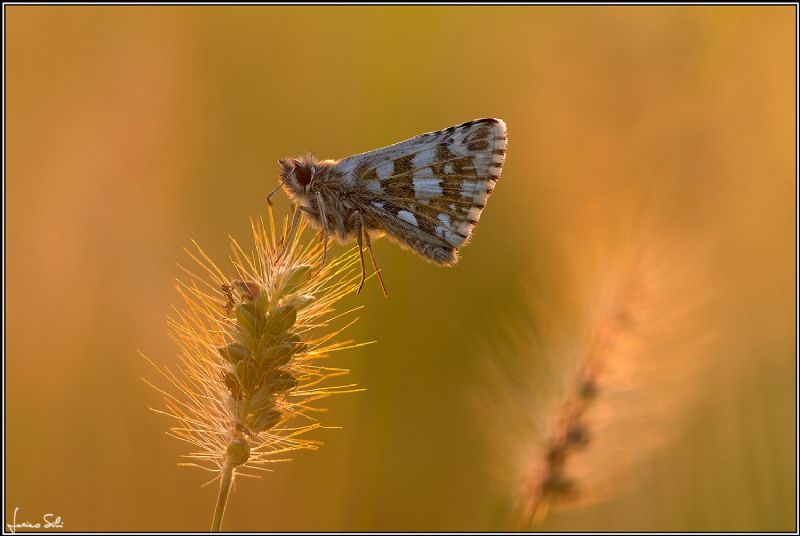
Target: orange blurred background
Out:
[133,130]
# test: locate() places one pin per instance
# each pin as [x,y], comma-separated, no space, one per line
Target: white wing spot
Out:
[407,216]
[470,188]
[374,187]
[427,188]
[385,170]
[445,219]
[424,158]
[453,239]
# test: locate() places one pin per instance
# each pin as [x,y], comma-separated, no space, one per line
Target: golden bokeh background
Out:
[133,130]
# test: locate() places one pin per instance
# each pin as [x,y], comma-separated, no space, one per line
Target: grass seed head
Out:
[251,347]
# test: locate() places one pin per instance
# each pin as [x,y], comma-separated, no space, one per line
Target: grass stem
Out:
[222,499]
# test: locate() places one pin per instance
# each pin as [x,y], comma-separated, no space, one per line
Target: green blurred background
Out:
[133,130]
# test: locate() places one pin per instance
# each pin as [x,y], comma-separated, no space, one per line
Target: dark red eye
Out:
[303,175]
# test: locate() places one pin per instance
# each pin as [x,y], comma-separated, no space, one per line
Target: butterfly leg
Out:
[324,219]
[287,239]
[361,256]
[363,228]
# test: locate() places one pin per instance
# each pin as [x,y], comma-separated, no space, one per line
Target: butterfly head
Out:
[297,175]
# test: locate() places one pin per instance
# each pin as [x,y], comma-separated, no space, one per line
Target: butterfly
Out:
[426,193]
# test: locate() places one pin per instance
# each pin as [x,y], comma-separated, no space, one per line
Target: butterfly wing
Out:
[428,192]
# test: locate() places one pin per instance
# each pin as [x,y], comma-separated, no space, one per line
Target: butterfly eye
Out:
[303,175]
